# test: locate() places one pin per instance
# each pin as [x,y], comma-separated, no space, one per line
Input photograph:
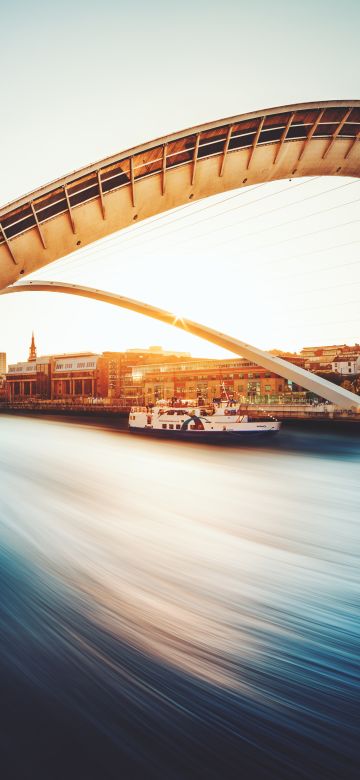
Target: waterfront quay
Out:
[94,409]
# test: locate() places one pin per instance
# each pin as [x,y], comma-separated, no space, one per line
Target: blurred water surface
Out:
[173,610]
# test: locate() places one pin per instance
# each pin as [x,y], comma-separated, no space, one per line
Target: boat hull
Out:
[213,437]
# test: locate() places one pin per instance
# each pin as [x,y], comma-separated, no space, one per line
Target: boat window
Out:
[178,427]
[171,426]
[164,426]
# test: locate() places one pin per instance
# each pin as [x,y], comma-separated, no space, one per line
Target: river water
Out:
[175,610]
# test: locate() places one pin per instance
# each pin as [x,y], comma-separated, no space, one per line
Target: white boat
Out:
[220,421]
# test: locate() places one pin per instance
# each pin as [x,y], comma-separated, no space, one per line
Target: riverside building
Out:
[2,364]
[322,358]
[74,376]
[347,363]
[118,378]
[139,377]
[53,377]
[206,380]
[30,379]
[2,377]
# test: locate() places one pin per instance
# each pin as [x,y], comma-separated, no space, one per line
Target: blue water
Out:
[175,610]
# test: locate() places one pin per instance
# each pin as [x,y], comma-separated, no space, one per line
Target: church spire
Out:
[32,350]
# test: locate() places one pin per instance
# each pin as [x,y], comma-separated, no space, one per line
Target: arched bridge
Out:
[315,384]
[296,140]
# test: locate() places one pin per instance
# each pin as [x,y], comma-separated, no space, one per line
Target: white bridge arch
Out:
[331,392]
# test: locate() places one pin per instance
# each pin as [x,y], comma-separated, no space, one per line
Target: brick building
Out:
[75,376]
[118,376]
[207,379]
[29,380]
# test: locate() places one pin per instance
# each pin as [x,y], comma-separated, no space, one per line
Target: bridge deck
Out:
[55,220]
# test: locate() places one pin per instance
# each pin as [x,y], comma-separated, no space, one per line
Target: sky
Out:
[278,265]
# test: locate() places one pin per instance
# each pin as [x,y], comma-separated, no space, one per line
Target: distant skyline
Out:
[86,80]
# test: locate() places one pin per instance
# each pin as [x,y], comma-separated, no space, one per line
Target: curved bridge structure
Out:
[297,140]
[336,395]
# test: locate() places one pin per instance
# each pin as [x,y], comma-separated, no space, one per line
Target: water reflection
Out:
[175,610]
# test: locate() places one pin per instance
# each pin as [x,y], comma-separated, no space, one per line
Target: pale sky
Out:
[84,80]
